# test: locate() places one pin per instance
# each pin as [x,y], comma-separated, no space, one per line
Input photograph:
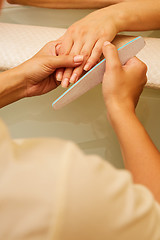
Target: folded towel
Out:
[150,55]
[20,42]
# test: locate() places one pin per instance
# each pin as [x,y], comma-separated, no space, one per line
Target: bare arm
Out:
[122,87]
[140,155]
[139,16]
[67,4]
[12,86]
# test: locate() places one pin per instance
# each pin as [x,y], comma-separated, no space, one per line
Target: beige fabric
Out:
[150,55]
[50,190]
[20,42]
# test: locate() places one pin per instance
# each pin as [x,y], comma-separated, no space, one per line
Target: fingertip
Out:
[105,44]
[87,67]
[59,76]
[65,83]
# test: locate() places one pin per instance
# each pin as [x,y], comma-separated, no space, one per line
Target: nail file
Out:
[95,75]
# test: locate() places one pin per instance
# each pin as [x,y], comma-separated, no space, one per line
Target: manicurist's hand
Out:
[122,85]
[35,76]
[39,70]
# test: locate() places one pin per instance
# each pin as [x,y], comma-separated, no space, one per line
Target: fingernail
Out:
[73,78]
[87,67]
[78,58]
[106,43]
[59,76]
[65,82]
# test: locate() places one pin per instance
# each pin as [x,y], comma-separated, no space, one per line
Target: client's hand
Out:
[39,70]
[86,37]
[122,85]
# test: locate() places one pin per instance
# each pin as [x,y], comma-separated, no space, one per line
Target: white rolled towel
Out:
[20,42]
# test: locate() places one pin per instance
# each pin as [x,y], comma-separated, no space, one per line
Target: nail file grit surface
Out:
[95,75]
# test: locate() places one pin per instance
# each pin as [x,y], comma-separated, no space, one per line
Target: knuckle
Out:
[82,31]
[114,66]
[63,51]
[85,53]
[142,67]
[142,70]
[51,43]
[71,29]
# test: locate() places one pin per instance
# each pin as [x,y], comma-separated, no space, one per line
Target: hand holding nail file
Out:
[95,75]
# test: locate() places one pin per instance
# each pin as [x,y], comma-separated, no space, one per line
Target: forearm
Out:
[12,86]
[67,4]
[140,155]
[138,15]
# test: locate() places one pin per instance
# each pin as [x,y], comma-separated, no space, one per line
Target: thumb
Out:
[111,54]
[64,61]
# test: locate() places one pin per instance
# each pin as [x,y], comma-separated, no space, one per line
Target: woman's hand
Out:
[35,76]
[39,70]
[86,37]
[122,85]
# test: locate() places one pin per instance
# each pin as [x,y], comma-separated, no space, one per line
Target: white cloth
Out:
[18,42]
[50,190]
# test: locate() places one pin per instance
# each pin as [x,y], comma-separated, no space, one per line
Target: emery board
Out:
[95,75]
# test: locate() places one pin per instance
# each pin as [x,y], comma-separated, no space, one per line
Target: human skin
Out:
[0,4]
[35,76]
[140,155]
[66,4]
[87,36]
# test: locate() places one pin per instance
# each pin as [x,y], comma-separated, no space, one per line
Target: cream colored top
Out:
[50,190]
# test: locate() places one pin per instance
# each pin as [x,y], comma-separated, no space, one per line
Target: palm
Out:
[41,87]
[40,70]
[40,74]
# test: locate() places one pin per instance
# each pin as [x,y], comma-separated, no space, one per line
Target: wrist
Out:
[12,86]
[115,109]
[123,17]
